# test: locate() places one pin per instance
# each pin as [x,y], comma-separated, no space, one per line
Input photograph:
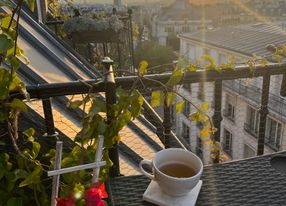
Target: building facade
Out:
[240,98]
[179,17]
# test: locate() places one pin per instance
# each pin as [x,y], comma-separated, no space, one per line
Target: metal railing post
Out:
[110,89]
[263,114]
[167,126]
[131,39]
[49,119]
[217,117]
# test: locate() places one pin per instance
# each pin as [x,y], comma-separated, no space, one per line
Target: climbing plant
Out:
[23,167]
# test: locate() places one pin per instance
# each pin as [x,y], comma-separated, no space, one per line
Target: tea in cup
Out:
[176,171]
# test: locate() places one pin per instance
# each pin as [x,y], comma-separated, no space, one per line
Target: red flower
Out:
[93,195]
[70,201]
[101,189]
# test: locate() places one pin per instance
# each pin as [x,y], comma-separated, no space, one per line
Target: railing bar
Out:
[110,89]
[263,114]
[217,117]
[76,87]
[49,119]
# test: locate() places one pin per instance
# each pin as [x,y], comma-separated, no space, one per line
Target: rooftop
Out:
[246,40]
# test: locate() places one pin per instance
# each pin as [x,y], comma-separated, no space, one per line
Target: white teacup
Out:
[171,185]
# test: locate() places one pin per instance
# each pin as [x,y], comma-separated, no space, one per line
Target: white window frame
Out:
[230,103]
[274,144]
[229,151]
[255,127]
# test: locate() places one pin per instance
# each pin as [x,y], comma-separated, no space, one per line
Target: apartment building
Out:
[241,98]
[179,17]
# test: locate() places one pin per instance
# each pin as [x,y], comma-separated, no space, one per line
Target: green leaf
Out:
[192,68]
[67,161]
[5,43]
[251,65]
[102,126]
[18,104]
[143,67]
[170,98]
[263,62]
[156,99]
[97,106]
[15,62]
[33,178]
[2,116]
[176,78]
[20,174]
[15,201]
[6,22]
[30,134]
[31,4]
[210,63]
[16,83]
[75,104]
[36,149]
[205,106]
[180,106]
[136,103]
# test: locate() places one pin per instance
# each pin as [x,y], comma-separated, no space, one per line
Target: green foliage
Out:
[143,67]
[154,54]
[179,106]
[156,98]
[175,78]
[101,119]
[31,4]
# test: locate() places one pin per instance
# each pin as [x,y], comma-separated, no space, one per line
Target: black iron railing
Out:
[276,104]
[108,85]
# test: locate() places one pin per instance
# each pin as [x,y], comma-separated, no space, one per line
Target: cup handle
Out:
[146,162]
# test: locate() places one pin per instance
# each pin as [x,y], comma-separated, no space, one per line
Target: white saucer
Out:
[154,195]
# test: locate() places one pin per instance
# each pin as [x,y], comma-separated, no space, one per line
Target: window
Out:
[201,92]
[185,29]
[186,132]
[229,110]
[273,133]
[227,142]
[252,121]
[248,151]
[187,109]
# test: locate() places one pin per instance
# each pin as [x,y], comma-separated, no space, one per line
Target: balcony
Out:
[151,132]
[233,183]
[138,144]
[276,103]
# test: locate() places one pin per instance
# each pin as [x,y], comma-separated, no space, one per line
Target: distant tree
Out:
[155,55]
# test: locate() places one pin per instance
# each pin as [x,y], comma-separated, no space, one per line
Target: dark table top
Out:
[252,182]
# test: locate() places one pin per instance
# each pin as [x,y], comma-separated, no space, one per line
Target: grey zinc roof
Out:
[52,61]
[180,10]
[49,59]
[246,40]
